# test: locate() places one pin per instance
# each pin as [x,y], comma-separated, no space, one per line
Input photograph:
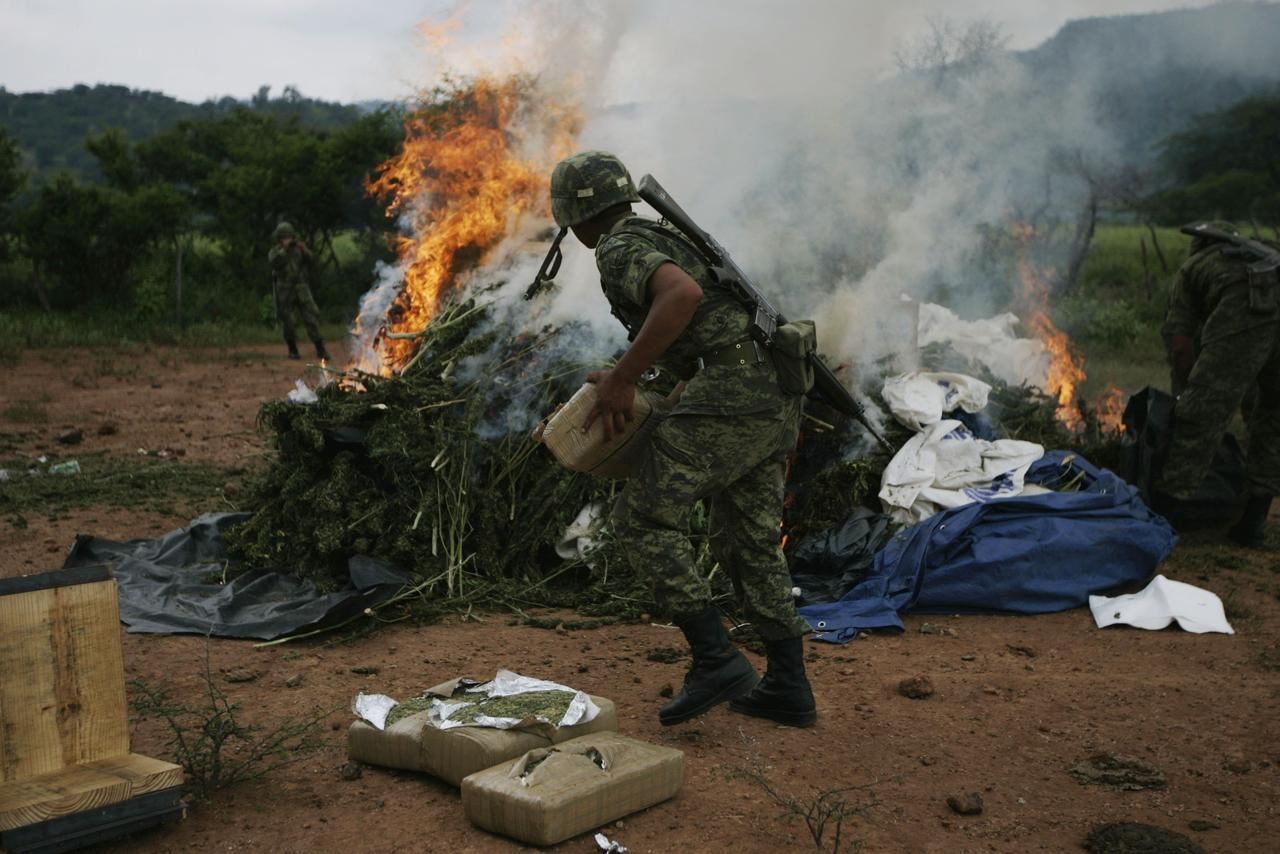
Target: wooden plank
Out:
[62,699]
[143,773]
[69,791]
[75,832]
[93,708]
[83,787]
[57,578]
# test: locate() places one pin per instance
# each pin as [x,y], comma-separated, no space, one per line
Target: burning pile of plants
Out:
[431,469]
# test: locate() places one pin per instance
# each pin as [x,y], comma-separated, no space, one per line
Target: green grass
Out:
[1130,372]
[20,332]
[163,486]
[28,411]
[1118,306]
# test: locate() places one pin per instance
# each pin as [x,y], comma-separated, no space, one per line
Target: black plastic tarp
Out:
[173,585]
[826,565]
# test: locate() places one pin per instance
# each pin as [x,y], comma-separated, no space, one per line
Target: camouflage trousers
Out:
[737,463]
[295,300]
[1236,352]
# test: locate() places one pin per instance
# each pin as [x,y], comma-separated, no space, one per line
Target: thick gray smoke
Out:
[843,183]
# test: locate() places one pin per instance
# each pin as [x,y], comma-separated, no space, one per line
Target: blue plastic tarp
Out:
[1027,554]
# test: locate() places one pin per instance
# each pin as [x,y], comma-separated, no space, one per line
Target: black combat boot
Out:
[1250,530]
[1178,513]
[718,673]
[321,352]
[783,695]
[293,348]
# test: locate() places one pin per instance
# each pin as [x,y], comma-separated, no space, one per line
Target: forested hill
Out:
[1150,74]
[50,127]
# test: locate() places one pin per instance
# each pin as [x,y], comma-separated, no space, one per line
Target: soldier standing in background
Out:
[290,261]
[1223,333]
[726,441]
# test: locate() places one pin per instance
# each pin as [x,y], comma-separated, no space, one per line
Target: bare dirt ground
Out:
[1019,700]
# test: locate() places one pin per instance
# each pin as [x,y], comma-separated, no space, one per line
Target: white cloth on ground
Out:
[946,466]
[1160,603]
[921,398]
[990,341]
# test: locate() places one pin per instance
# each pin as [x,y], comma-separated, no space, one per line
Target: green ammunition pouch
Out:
[794,345]
[1264,287]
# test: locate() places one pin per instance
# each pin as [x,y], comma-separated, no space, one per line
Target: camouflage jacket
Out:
[288,266]
[627,257]
[1212,282]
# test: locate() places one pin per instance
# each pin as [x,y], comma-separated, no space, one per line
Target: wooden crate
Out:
[64,723]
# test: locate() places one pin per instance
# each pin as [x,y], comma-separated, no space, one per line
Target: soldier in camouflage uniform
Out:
[290,263]
[1223,332]
[726,442]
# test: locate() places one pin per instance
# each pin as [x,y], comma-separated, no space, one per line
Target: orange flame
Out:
[461,183]
[1110,410]
[1066,366]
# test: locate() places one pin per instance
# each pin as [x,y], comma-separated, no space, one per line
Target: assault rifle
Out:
[1265,257]
[765,319]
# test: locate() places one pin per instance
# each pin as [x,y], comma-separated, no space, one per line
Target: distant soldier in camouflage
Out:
[1223,333]
[726,442]
[290,267]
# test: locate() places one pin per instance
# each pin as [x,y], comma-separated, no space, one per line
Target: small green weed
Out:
[28,411]
[214,746]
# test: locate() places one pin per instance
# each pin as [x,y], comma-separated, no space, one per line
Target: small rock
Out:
[1120,772]
[666,654]
[1021,650]
[365,669]
[352,771]
[667,691]
[1200,825]
[335,725]
[1123,837]
[926,761]
[968,658]
[239,675]
[71,437]
[970,803]
[231,489]
[582,668]
[294,681]
[916,688]
[108,428]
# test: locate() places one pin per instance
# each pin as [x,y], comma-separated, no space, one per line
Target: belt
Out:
[746,352]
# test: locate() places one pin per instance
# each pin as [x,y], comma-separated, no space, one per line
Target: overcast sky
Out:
[348,51]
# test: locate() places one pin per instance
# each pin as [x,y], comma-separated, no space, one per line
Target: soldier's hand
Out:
[615,403]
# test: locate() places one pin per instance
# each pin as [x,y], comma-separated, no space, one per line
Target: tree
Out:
[951,49]
[1227,165]
[12,179]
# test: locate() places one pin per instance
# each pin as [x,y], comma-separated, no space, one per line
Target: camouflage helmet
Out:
[283,230]
[1201,242]
[588,183]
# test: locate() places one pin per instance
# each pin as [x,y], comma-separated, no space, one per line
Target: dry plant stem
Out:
[827,808]
[824,425]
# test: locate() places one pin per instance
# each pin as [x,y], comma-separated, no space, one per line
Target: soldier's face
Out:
[589,232]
